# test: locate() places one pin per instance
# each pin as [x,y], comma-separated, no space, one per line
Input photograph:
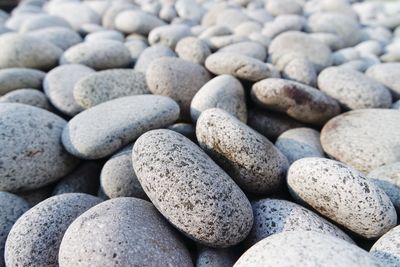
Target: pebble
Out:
[300,143]
[342,194]
[193,49]
[238,65]
[61,37]
[41,21]
[129,232]
[283,23]
[255,164]
[371,134]
[185,185]
[300,69]
[33,156]
[136,21]
[250,49]
[150,54]
[115,8]
[280,7]
[224,92]
[215,257]
[299,247]
[345,55]
[24,51]
[353,89]
[30,97]
[35,238]
[103,129]
[105,35]
[272,216]
[333,41]
[19,78]
[11,208]
[299,101]
[386,74]
[59,85]
[106,85]
[386,249]
[178,79]
[85,179]
[169,35]
[118,179]
[99,55]
[136,47]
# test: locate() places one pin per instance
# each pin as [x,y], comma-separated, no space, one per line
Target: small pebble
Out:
[30,97]
[193,49]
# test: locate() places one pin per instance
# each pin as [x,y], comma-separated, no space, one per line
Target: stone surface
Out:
[255,164]
[169,35]
[136,21]
[19,78]
[386,74]
[33,156]
[30,97]
[107,85]
[371,134]
[129,231]
[35,238]
[41,21]
[386,249]
[250,49]
[101,130]
[224,92]
[150,54]
[62,37]
[190,190]
[343,195]
[193,49]
[299,101]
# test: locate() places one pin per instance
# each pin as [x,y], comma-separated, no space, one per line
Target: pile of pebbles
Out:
[200,133]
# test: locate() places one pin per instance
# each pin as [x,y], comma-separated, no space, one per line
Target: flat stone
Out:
[101,130]
[386,249]
[30,97]
[185,184]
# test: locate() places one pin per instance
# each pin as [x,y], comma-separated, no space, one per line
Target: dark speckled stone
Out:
[190,190]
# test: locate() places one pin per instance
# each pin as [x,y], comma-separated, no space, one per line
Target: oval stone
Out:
[193,49]
[128,232]
[191,190]
[137,21]
[250,49]
[101,130]
[255,164]
[343,195]
[387,74]
[32,155]
[19,78]
[30,97]
[62,37]
[35,238]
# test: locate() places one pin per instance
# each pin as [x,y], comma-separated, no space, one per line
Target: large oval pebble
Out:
[190,190]
[31,152]
[122,232]
[343,195]
[19,78]
[101,130]
[386,249]
[35,238]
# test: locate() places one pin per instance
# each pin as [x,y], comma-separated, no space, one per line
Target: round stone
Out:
[19,78]
[224,92]
[24,51]
[150,54]
[33,156]
[35,238]
[247,156]
[128,232]
[118,179]
[386,74]
[107,85]
[30,97]
[307,248]
[103,129]
[99,55]
[343,195]
[386,249]
[193,49]
[299,101]
[137,21]
[300,143]
[178,79]
[59,85]
[371,134]
[190,190]
[250,49]
[353,89]
[169,35]
[62,37]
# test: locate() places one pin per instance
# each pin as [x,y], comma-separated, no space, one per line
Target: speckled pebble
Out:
[305,248]
[99,55]
[297,100]
[103,129]
[353,89]
[193,49]
[224,92]
[240,66]
[118,179]
[190,190]
[129,232]
[30,97]
[33,156]
[300,143]
[255,164]
[387,74]
[150,54]
[386,249]
[36,236]
[272,216]
[59,85]
[371,134]
[62,37]
[343,195]
[178,79]
[250,49]
[215,257]
[107,85]
[11,208]
[24,51]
